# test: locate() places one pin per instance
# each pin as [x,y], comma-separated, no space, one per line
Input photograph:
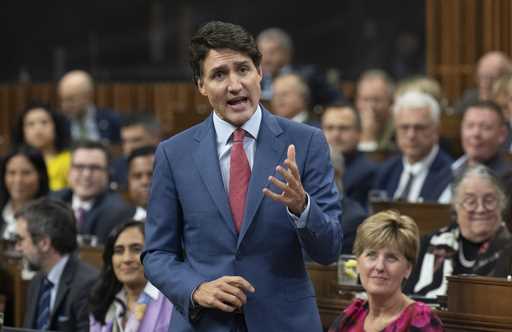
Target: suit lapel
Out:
[64,287]
[270,150]
[32,309]
[207,162]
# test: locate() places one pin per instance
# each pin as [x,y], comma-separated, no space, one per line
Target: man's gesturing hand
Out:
[293,195]
[226,293]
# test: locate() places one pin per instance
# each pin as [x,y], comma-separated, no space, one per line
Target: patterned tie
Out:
[43,305]
[80,217]
[405,193]
[239,174]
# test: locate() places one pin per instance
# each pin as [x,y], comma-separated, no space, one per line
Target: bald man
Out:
[87,122]
[290,99]
[491,66]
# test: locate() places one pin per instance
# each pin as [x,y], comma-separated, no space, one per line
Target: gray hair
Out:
[417,99]
[484,173]
[278,35]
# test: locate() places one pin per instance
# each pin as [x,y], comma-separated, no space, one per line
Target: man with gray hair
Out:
[415,174]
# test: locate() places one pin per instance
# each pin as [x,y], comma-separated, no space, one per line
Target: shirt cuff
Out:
[300,221]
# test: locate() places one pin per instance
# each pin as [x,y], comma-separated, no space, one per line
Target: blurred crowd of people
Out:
[62,186]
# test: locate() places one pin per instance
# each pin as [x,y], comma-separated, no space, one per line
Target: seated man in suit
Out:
[97,209]
[140,172]
[483,132]
[290,99]
[341,124]
[416,174]
[57,297]
[374,97]
[276,47]
[137,130]
[76,94]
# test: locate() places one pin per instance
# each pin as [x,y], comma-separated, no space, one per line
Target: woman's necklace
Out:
[463,261]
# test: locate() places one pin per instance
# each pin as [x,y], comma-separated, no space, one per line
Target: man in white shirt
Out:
[415,174]
[57,295]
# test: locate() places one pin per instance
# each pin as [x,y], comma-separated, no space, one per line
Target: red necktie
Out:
[239,174]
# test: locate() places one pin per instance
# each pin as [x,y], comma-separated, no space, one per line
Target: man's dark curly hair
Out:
[220,35]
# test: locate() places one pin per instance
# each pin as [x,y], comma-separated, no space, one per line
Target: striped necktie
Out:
[43,305]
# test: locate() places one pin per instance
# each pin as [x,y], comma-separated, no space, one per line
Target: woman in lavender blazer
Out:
[122,299]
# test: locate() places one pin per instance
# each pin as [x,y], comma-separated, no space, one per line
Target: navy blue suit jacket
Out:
[390,171]
[108,210]
[191,238]
[358,176]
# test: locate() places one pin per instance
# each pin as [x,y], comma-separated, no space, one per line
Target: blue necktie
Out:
[43,305]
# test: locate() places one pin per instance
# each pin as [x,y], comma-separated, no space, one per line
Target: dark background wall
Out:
[146,40]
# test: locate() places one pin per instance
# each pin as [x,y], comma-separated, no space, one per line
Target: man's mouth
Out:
[237,101]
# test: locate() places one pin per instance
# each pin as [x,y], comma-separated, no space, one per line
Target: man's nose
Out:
[234,84]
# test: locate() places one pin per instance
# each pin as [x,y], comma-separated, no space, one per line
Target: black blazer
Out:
[108,211]
[70,311]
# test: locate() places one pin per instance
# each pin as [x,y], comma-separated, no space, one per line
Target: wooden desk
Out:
[428,216]
[331,300]
[478,304]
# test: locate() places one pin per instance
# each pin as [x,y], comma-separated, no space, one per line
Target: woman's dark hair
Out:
[106,288]
[36,159]
[62,129]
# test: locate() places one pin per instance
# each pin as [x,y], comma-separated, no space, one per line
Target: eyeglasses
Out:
[91,168]
[470,203]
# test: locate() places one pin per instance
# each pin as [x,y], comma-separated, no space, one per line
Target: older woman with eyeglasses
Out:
[473,244]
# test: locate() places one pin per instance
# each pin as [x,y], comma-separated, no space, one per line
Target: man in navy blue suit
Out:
[341,124]
[86,121]
[419,172]
[234,201]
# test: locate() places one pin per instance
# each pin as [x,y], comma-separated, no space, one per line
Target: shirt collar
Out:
[151,291]
[301,117]
[77,203]
[56,271]
[224,129]
[423,164]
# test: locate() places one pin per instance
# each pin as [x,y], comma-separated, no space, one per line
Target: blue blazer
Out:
[191,238]
[389,174]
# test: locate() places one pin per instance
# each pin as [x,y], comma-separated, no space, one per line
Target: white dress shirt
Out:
[420,171]
[224,131]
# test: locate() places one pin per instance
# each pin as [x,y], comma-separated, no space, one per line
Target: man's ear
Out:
[200,86]
[44,244]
